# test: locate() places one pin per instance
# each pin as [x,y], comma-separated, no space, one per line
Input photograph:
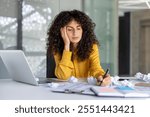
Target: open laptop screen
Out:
[18,66]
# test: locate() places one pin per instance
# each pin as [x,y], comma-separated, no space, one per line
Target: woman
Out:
[72,41]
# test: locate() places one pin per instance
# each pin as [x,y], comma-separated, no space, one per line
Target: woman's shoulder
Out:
[95,46]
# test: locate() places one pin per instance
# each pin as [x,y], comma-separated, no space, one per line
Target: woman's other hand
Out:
[65,38]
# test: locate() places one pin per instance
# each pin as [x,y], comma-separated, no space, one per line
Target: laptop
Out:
[18,66]
[19,69]
[3,70]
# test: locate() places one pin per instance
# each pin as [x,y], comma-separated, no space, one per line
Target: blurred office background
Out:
[134,37]
[24,24]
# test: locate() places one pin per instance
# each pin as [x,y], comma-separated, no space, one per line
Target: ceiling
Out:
[133,5]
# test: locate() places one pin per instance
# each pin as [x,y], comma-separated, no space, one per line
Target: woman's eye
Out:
[78,28]
[69,29]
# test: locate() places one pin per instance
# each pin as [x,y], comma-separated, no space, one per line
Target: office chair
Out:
[50,65]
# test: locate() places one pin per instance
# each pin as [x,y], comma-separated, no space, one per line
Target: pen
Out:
[105,73]
[104,76]
[94,91]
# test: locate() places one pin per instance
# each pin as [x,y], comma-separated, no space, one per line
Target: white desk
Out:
[12,90]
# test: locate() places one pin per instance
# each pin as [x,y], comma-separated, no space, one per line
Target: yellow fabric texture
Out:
[65,67]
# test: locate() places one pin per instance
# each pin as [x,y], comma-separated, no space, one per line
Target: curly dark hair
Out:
[55,42]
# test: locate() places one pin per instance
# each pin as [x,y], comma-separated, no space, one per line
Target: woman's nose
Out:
[74,32]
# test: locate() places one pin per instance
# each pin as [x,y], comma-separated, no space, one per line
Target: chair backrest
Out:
[50,65]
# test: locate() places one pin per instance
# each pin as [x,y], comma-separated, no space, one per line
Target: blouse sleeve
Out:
[95,67]
[64,65]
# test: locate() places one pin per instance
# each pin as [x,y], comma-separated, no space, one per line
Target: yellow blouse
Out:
[65,67]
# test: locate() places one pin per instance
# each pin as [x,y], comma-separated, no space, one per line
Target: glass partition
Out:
[37,16]
[104,14]
[8,24]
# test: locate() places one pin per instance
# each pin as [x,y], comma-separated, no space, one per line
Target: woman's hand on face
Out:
[105,81]
[65,38]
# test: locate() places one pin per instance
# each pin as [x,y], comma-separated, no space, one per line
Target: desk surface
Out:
[12,90]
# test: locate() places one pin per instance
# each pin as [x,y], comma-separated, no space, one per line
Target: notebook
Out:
[121,91]
[143,84]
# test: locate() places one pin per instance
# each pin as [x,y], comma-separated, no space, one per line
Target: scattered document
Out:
[145,77]
[78,87]
[113,91]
